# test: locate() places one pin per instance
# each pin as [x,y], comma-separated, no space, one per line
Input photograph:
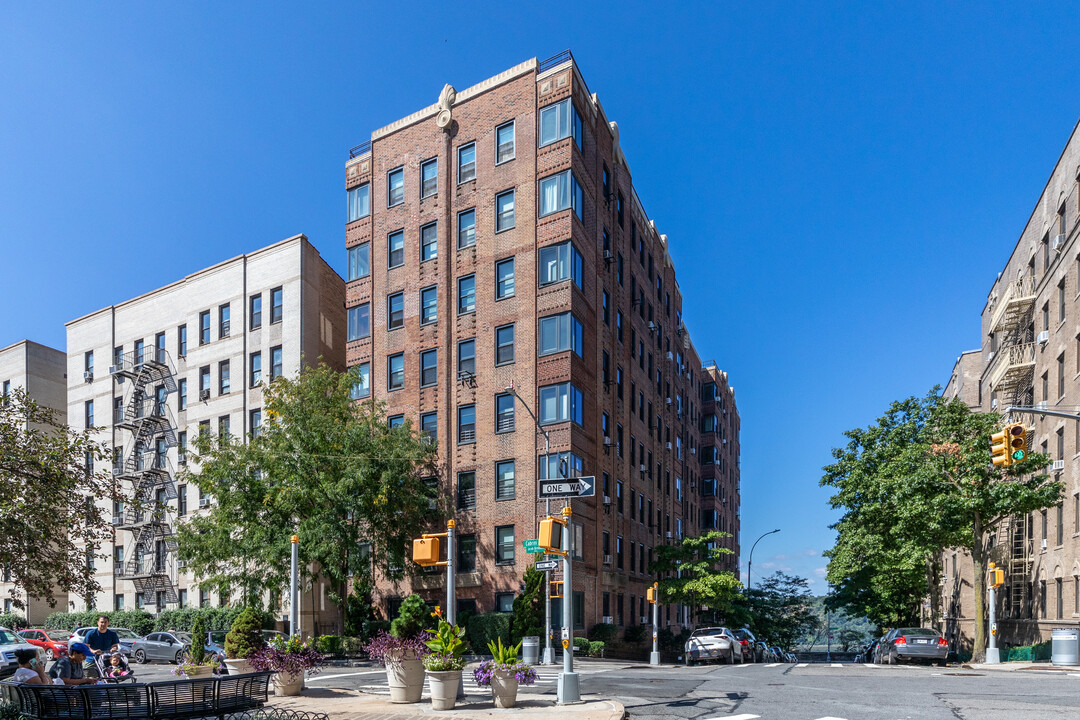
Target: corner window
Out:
[561,465]
[558,121]
[560,262]
[466,156]
[395,187]
[504,211]
[504,143]
[504,345]
[395,249]
[466,228]
[504,413]
[429,368]
[429,242]
[504,278]
[466,416]
[359,202]
[466,294]
[561,403]
[429,305]
[559,333]
[395,311]
[359,322]
[429,178]
[504,546]
[559,192]
[466,353]
[359,261]
[362,381]
[504,480]
[395,372]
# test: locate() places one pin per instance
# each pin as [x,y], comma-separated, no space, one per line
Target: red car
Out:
[53,641]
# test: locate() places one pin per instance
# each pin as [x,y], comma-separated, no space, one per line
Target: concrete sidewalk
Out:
[1022,665]
[353,705]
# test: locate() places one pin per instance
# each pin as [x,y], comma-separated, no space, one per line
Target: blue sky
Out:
[840,183]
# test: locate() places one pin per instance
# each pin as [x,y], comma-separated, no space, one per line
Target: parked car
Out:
[747,641]
[215,641]
[126,635]
[761,650]
[778,654]
[912,643]
[875,651]
[9,643]
[712,643]
[866,654]
[53,642]
[168,647]
[792,657]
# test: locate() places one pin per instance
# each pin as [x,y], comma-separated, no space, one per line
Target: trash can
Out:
[530,649]
[1065,646]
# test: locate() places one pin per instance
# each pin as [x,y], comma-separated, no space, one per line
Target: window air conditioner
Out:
[113,369]
[644,620]
[667,534]
[643,468]
[607,559]
[1057,466]
[669,446]
[180,564]
[117,519]
[607,441]
[669,401]
[1043,337]
[1059,241]
[670,356]
[204,394]
[608,255]
[432,504]
[607,620]
[88,376]
[204,502]
[117,470]
[1041,405]
[693,451]
[993,403]
[1042,544]
[990,356]
[607,499]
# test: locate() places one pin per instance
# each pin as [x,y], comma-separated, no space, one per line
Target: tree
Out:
[848,637]
[528,618]
[692,578]
[780,609]
[47,480]
[323,467]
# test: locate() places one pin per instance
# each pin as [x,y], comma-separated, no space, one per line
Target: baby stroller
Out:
[104,669]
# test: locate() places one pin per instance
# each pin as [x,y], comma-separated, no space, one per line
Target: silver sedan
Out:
[163,646]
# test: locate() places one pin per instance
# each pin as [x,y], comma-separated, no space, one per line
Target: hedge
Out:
[139,621]
[485,628]
[1030,653]
[581,645]
[596,648]
[605,632]
[13,621]
[329,645]
[143,622]
[634,633]
[220,618]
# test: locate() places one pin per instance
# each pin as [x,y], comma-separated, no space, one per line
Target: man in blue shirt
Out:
[102,639]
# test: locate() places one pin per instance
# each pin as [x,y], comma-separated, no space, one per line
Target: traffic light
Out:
[1017,442]
[556,589]
[999,447]
[550,536]
[425,551]
[651,594]
[997,577]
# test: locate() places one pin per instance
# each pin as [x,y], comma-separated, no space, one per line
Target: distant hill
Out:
[859,630]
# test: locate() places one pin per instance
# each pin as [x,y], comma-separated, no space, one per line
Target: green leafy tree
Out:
[692,577]
[780,609]
[245,635]
[47,471]
[848,638]
[323,467]
[528,617]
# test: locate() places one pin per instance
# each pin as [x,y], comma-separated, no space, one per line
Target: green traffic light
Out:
[1018,455]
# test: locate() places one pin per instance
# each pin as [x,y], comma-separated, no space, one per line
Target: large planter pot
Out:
[200,671]
[405,676]
[286,684]
[238,666]
[504,689]
[444,686]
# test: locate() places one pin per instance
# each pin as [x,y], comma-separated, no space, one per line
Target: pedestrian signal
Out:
[425,551]
[997,577]
[550,535]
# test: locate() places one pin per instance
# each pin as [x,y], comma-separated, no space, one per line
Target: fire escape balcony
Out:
[1011,310]
[1014,368]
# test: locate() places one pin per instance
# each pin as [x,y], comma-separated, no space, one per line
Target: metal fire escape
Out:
[145,465]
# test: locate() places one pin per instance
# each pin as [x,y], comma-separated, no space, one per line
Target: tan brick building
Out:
[1030,356]
[496,241]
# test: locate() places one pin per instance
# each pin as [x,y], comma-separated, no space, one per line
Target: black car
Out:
[750,649]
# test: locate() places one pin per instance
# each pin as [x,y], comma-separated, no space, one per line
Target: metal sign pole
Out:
[993,657]
[654,656]
[451,580]
[294,588]
[568,690]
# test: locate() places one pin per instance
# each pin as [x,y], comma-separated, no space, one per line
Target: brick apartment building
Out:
[1030,356]
[497,246]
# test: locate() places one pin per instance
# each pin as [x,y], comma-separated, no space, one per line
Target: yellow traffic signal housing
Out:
[556,588]
[550,535]
[999,448]
[1017,442]
[997,577]
[425,551]
[650,595]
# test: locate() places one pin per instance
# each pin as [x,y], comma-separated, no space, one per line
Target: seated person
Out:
[70,667]
[116,668]
[31,670]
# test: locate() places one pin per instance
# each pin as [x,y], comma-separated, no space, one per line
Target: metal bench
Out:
[189,699]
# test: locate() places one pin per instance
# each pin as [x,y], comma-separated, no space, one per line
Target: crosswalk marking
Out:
[744,716]
[773,665]
[834,665]
[801,665]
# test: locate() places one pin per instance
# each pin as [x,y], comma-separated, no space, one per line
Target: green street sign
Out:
[531,546]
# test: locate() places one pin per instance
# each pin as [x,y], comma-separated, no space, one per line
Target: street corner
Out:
[338,704]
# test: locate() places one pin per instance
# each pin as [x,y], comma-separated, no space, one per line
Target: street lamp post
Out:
[549,654]
[750,562]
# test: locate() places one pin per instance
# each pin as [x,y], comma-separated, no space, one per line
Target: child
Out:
[116,667]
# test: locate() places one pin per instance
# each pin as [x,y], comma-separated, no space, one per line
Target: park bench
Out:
[188,699]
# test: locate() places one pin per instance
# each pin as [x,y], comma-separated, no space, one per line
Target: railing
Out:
[1018,296]
[556,60]
[1010,359]
[361,149]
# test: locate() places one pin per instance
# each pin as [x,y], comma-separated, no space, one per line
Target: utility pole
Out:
[451,580]
[569,690]
[294,588]
[993,657]
[654,656]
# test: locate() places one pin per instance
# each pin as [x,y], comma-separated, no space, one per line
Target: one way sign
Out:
[568,487]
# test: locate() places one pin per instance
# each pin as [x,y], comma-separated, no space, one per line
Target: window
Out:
[255,369]
[504,278]
[255,308]
[560,403]
[429,178]
[466,416]
[275,363]
[1059,597]
[605,305]
[560,262]
[559,333]
[466,354]
[561,465]
[181,400]
[359,202]
[181,500]
[255,422]
[504,211]
[559,192]
[204,328]
[224,426]
[504,545]
[395,311]
[181,447]
[359,322]
[504,142]
[466,163]
[429,305]
[558,121]
[276,305]
[504,413]
[395,249]
[89,414]
[204,382]
[395,187]
[429,367]
[429,242]
[1061,375]
[181,341]
[466,554]
[619,551]
[360,261]
[466,490]
[619,325]
[466,228]
[1060,524]
[224,315]
[466,287]
[395,372]
[224,383]
[429,426]
[1061,301]
[504,602]
[395,421]
[362,386]
[504,344]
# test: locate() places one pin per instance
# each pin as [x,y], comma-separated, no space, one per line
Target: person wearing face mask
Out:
[31,670]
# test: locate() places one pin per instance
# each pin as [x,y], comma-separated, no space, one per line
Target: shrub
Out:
[603,631]
[199,629]
[245,635]
[12,621]
[581,645]
[329,644]
[634,633]
[486,628]
[596,648]
[670,643]
[9,711]
[371,628]
[413,617]
[358,611]
[351,645]
[183,619]
[138,620]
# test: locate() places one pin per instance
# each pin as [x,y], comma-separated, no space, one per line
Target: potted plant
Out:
[503,673]
[241,642]
[289,658]
[197,662]
[444,663]
[402,650]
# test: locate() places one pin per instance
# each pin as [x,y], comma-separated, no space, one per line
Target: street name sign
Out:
[531,546]
[547,565]
[568,487]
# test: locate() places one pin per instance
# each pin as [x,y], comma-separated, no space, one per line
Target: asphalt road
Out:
[782,691]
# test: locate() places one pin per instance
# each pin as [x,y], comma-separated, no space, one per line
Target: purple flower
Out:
[523,673]
[293,657]
[388,649]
